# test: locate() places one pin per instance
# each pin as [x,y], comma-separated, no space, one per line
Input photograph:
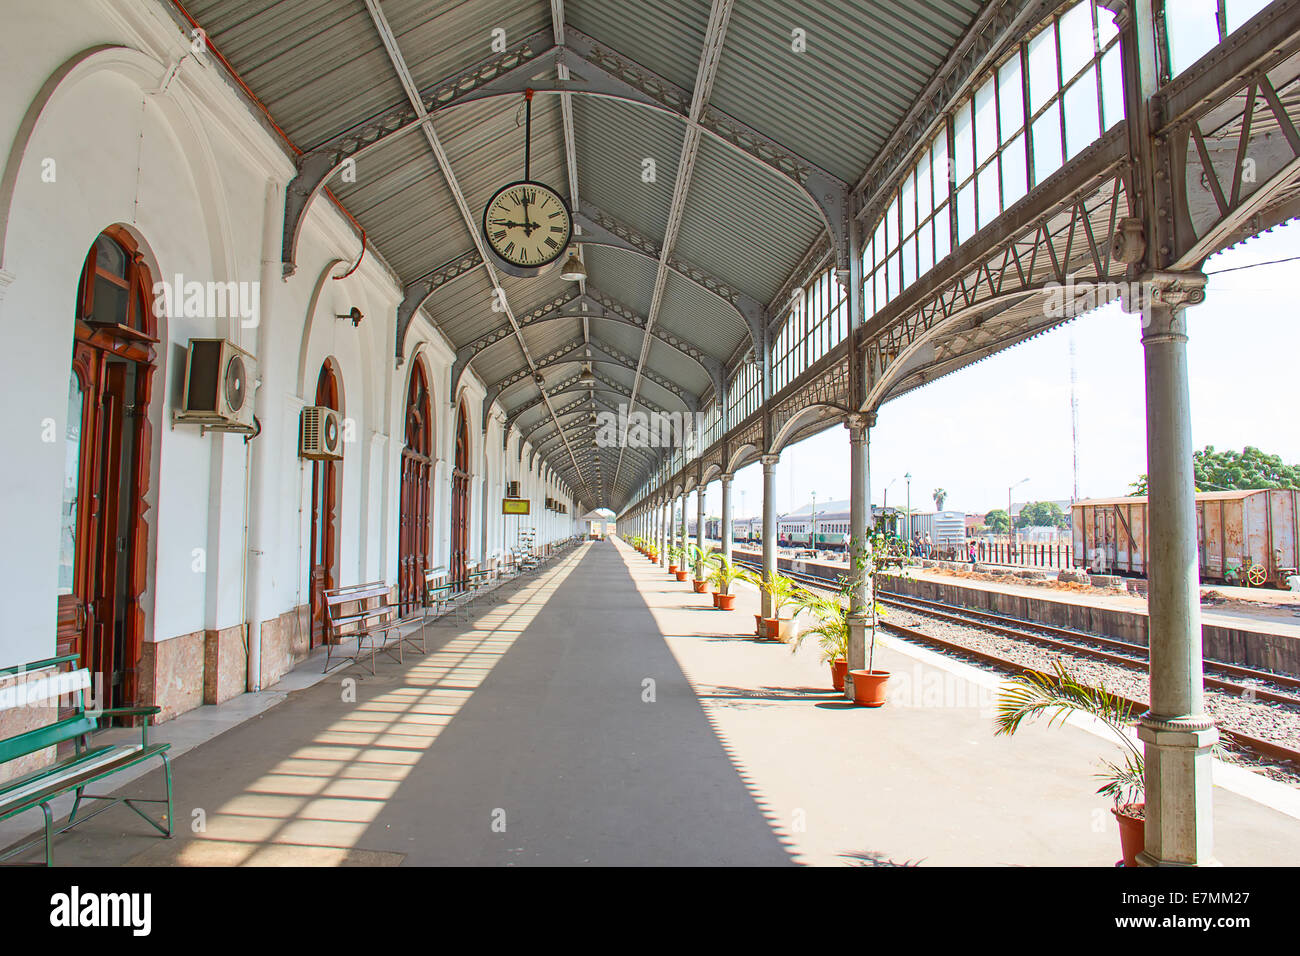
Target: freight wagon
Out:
[1242,537]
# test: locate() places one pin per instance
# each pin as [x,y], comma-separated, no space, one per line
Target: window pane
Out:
[909,262]
[964,146]
[71,487]
[1076,40]
[989,199]
[986,121]
[966,213]
[110,302]
[1042,69]
[1239,11]
[942,170]
[925,248]
[878,244]
[1015,175]
[1047,143]
[924,202]
[1011,98]
[908,201]
[1082,126]
[942,246]
[891,225]
[1192,29]
[1112,88]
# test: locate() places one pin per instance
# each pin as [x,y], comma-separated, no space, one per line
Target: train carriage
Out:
[1243,537]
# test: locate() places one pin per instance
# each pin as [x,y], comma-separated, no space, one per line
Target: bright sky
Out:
[1007,418]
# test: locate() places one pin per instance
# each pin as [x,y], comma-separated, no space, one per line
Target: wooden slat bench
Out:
[372,627]
[77,770]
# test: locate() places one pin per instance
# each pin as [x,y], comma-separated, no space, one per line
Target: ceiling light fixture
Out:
[573,270]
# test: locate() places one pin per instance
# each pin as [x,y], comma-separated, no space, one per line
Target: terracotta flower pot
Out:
[838,670]
[672,569]
[1132,831]
[699,586]
[681,575]
[715,598]
[760,628]
[726,602]
[869,688]
[776,629]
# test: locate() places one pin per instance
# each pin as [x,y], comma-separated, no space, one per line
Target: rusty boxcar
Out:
[1243,537]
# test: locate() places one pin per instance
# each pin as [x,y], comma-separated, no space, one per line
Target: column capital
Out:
[1161,298]
[726,478]
[769,460]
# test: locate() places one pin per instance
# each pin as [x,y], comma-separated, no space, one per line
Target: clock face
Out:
[527,225]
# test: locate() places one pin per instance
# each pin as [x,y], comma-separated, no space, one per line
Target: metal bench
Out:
[86,763]
[373,626]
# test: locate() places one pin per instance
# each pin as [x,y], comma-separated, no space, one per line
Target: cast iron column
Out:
[769,526]
[724,526]
[859,529]
[1177,734]
[699,531]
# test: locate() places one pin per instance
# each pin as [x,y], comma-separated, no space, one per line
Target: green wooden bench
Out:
[76,770]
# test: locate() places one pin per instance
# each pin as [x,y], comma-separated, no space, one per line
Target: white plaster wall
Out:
[200,181]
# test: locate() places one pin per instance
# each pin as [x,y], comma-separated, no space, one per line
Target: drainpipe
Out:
[257,480]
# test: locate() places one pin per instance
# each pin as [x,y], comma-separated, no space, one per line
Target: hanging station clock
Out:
[527,224]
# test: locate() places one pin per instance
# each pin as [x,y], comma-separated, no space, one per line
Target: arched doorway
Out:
[104,540]
[325,479]
[413,524]
[460,500]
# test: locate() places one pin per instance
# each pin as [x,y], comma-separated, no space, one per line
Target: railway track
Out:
[1105,649]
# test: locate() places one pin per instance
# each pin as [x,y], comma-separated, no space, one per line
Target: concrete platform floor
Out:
[603,714]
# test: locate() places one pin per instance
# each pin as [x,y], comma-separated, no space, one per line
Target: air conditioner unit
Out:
[219,382]
[512,489]
[320,437]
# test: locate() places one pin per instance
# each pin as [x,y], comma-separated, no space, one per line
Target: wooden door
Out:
[460,501]
[325,479]
[416,495]
[103,552]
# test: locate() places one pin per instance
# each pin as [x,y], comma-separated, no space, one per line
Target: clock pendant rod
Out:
[528,135]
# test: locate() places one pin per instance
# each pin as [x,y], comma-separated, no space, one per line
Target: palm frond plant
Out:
[830,622]
[1059,694]
[696,556]
[724,572]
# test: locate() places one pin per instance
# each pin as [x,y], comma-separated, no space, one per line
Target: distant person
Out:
[929,546]
[973,550]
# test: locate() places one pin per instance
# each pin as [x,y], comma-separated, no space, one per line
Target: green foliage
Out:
[723,573]
[696,557]
[997,522]
[830,614]
[1235,471]
[1058,695]
[1042,514]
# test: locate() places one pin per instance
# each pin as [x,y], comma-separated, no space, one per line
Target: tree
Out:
[939,495]
[1235,471]
[997,522]
[1041,514]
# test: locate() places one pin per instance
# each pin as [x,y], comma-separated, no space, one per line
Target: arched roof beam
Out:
[593,305]
[594,70]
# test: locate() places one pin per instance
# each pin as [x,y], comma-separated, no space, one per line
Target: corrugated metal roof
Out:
[321,69]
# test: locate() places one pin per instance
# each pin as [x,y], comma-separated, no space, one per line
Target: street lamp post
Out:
[812,537]
[1011,525]
[908,477]
[884,508]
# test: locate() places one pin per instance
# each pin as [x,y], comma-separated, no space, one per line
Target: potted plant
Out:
[1059,694]
[678,557]
[722,576]
[698,557]
[869,684]
[780,591]
[830,614]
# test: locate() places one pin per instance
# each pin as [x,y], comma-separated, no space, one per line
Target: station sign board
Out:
[515,506]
